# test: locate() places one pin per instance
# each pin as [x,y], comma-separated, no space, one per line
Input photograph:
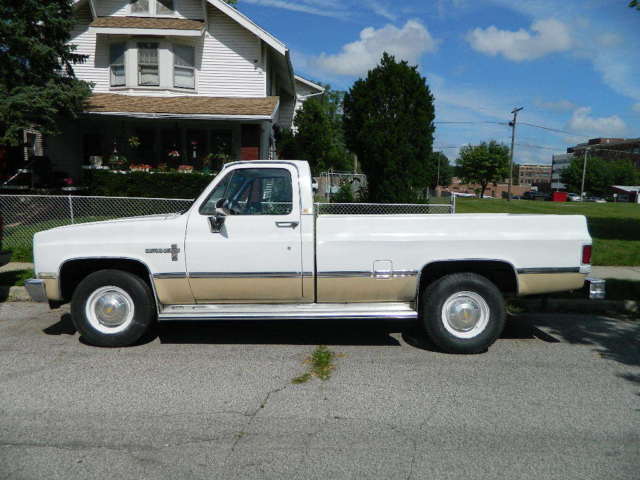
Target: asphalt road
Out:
[556,397]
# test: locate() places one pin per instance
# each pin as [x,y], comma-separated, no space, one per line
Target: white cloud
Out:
[609,39]
[582,121]
[407,43]
[636,107]
[325,8]
[381,9]
[550,36]
[557,106]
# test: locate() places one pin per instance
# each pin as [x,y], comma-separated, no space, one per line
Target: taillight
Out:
[586,254]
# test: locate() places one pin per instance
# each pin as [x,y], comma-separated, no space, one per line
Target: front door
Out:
[256,256]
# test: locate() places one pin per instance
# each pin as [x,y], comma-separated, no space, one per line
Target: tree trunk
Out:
[483,188]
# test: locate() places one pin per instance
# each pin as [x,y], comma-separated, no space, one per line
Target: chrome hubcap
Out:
[109,309]
[465,314]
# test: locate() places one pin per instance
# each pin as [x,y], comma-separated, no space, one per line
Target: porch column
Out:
[265,137]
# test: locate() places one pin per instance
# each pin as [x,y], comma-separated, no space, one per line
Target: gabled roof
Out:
[247,23]
[310,84]
[148,23]
[182,106]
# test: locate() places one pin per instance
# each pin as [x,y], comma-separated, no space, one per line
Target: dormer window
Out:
[148,71]
[140,6]
[152,7]
[184,67]
[116,61]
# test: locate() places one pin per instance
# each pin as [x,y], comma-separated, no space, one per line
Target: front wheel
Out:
[463,313]
[112,308]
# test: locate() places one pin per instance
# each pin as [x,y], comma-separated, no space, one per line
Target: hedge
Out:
[145,184]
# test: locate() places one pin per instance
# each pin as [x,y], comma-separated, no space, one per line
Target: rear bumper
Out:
[36,290]
[595,288]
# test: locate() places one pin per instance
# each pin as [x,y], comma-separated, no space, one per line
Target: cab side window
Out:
[253,191]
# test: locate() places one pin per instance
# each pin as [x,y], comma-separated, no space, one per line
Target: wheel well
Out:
[74,271]
[500,273]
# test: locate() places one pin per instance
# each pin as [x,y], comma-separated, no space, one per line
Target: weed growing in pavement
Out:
[321,365]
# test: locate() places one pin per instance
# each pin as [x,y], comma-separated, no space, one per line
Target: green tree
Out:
[319,134]
[483,164]
[37,84]
[388,121]
[441,171]
[600,174]
[634,4]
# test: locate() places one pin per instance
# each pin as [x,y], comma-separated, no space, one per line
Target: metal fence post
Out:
[453,203]
[71,208]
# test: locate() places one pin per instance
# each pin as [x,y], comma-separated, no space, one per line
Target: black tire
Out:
[143,308]
[440,331]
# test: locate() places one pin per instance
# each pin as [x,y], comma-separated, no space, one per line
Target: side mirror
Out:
[222,207]
[216,222]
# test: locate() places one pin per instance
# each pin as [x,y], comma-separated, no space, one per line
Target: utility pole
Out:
[512,124]
[584,172]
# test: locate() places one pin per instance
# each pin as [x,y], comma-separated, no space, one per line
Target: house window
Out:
[139,6]
[148,74]
[184,67]
[164,7]
[116,60]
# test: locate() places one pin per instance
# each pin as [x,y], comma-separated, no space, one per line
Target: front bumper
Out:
[36,290]
[595,288]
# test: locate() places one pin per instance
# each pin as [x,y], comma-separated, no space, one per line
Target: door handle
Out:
[286,224]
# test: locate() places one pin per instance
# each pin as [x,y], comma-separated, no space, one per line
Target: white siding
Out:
[184,8]
[96,67]
[228,67]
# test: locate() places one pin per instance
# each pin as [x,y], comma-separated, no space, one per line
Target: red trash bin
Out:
[559,196]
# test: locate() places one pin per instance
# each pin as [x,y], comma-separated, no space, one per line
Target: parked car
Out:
[5,255]
[533,195]
[255,246]
[574,197]
[595,199]
[463,194]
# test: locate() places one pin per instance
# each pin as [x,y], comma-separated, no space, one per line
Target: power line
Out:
[470,123]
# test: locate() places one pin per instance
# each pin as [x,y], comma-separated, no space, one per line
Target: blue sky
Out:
[574,65]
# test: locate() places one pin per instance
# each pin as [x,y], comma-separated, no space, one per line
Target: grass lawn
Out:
[18,238]
[615,227]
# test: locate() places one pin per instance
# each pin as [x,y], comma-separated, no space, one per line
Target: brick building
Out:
[532,174]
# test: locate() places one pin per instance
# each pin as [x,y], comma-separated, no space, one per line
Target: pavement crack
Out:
[252,415]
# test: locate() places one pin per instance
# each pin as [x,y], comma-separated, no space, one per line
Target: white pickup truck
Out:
[253,246]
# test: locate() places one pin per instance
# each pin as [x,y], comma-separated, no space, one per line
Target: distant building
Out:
[532,174]
[610,149]
[558,164]
[626,193]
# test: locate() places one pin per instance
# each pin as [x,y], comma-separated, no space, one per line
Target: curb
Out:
[551,305]
[14,294]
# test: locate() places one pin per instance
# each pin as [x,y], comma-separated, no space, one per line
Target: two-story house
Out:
[177,82]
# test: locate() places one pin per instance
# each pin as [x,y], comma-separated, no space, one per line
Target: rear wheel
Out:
[463,313]
[112,308]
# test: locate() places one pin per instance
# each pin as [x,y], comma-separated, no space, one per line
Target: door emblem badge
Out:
[174,251]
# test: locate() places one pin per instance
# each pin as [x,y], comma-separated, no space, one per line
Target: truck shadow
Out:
[286,332]
[611,338]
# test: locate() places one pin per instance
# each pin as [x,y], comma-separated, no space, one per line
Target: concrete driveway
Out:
[556,397]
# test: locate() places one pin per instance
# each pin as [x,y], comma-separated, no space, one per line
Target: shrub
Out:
[145,184]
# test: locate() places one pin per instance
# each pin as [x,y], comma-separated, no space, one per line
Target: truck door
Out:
[256,255]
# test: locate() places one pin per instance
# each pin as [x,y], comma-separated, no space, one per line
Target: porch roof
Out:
[148,23]
[232,108]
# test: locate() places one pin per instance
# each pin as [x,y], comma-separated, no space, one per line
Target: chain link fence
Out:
[24,215]
[384,208]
